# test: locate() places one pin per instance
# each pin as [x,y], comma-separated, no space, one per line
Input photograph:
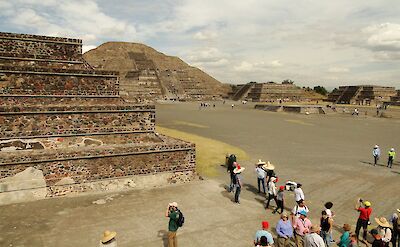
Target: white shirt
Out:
[328,212]
[298,194]
[386,234]
[260,172]
[297,209]
[313,240]
[272,188]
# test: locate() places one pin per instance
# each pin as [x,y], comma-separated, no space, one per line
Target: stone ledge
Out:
[39,38]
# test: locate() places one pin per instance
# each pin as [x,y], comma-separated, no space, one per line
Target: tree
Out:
[321,90]
[287,81]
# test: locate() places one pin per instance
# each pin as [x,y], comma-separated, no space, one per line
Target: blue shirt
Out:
[284,228]
[261,233]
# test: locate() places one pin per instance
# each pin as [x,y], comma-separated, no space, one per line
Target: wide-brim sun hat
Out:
[173,204]
[260,163]
[268,166]
[107,236]
[382,221]
[398,210]
[376,146]
[238,169]
[392,149]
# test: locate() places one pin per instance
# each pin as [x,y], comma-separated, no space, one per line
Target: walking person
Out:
[298,193]
[391,154]
[108,239]
[363,218]
[261,174]
[173,215]
[280,200]
[269,168]
[395,220]
[376,152]
[313,239]
[271,192]
[384,230]
[231,165]
[239,182]
[284,230]
[326,228]
[302,226]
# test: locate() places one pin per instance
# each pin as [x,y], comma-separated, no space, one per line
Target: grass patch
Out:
[210,153]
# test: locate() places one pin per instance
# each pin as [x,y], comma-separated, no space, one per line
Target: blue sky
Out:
[312,42]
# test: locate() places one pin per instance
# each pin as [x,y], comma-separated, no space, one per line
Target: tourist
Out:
[263,242]
[263,232]
[345,238]
[108,239]
[233,105]
[298,193]
[313,239]
[231,165]
[261,174]
[280,200]
[363,218]
[284,230]
[301,206]
[384,230]
[376,152]
[391,154]
[173,214]
[302,226]
[271,192]
[326,228]
[355,112]
[269,168]
[377,239]
[353,240]
[239,182]
[328,206]
[395,220]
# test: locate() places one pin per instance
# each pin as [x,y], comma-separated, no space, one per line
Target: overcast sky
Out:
[312,42]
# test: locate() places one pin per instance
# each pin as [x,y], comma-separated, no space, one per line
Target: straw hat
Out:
[398,210]
[107,236]
[376,146]
[173,204]
[238,169]
[382,221]
[260,163]
[268,166]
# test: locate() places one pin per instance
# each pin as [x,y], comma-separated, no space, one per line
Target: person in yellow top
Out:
[391,154]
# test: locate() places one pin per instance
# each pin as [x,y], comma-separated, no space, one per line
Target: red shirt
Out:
[364,213]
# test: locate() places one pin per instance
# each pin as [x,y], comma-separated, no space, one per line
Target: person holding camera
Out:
[363,218]
[173,214]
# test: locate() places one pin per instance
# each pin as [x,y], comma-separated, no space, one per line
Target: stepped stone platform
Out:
[361,95]
[65,129]
[302,109]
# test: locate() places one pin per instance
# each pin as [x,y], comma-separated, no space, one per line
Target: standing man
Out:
[314,239]
[302,226]
[271,192]
[298,193]
[301,206]
[376,152]
[239,182]
[363,218]
[261,174]
[391,154]
[173,215]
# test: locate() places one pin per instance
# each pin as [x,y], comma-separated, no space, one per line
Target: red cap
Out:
[265,224]
[282,187]
[276,179]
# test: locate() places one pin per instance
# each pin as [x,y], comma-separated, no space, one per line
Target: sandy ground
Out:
[330,155]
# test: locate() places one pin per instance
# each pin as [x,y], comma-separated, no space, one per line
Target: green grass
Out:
[210,153]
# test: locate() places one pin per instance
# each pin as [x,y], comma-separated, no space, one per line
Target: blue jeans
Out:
[326,237]
[261,181]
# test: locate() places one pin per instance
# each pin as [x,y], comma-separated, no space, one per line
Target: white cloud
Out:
[86,48]
[205,35]
[245,66]
[338,70]
[385,36]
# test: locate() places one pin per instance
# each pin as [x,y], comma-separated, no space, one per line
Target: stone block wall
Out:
[40,47]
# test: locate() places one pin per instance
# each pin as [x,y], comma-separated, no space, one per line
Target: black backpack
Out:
[181,219]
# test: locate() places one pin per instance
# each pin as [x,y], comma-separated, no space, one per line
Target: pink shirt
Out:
[301,225]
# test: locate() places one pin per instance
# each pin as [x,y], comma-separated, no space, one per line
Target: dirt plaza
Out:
[329,154]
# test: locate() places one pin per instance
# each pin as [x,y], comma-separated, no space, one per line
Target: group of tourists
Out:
[295,229]
[376,153]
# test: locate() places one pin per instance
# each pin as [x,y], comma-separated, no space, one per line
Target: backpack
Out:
[181,219]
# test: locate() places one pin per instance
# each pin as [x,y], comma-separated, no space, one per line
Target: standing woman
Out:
[384,230]
[326,227]
[239,182]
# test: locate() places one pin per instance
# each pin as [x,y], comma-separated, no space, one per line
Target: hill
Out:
[148,75]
